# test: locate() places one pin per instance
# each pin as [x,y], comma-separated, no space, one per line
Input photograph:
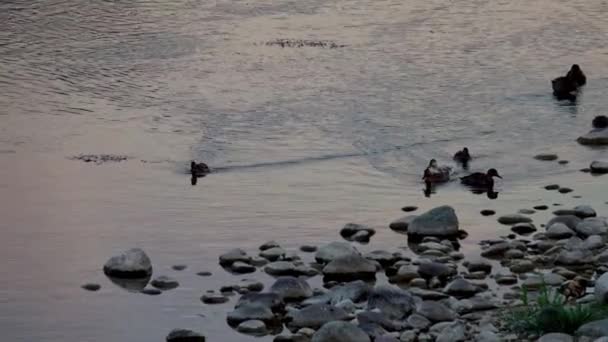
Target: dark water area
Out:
[302,140]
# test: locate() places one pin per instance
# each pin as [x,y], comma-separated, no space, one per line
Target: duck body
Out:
[463,156]
[480,179]
[566,87]
[199,169]
[436,174]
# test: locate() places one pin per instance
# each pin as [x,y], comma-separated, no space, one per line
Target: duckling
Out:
[566,87]
[436,174]
[199,170]
[479,179]
[463,156]
[575,288]
[600,122]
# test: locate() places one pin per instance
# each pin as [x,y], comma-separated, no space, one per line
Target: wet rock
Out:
[151,292]
[479,266]
[315,316]
[405,274]
[435,311]
[401,224]
[506,279]
[252,327]
[378,318]
[350,267]
[552,187]
[563,162]
[334,250]
[374,331]
[183,335]
[272,301]
[522,266]
[454,332]
[584,211]
[524,228]
[599,167]
[440,221]
[164,283]
[596,136]
[408,336]
[570,221]
[348,306]
[235,255]
[559,231]
[340,332]
[272,253]
[248,285]
[533,282]
[487,212]
[241,267]
[133,263]
[387,338]
[571,258]
[250,311]
[541,207]
[594,329]
[269,244]
[601,289]
[592,226]
[564,190]
[351,230]
[429,269]
[287,268]
[308,248]
[487,336]
[204,274]
[461,288]
[91,287]
[546,157]
[179,267]
[496,250]
[383,257]
[514,254]
[355,291]
[553,279]
[214,298]
[392,301]
[410,208]
[555,337]
[259,261]
[291,288]
[526,211]
[593,242]
[419,322]
[514,219]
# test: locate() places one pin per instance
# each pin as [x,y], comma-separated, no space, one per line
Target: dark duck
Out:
[463,157]
[435,173]
[480,179]
[199,169]
[566,87]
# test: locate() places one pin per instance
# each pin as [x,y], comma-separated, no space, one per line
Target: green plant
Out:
[551,312]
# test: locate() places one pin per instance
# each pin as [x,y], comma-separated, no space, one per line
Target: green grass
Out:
[551,313]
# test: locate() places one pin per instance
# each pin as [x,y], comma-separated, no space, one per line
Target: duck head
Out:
[433,163]
[466,150]
[493,173]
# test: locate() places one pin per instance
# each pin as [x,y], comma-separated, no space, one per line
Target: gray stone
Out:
[252,327]
[600,167]
[524,228]
[592,226]
[487,336]
[269,244]
[601,289]
[355,291]
[454,332]
[291,288]
[514,254]
[133,263]
[401,224]
[522,266]
[427,294]
[183,335]
[308,248]
[241,267]
[584,211]
[288,268]
[559,231]
[594,329]
[272,301]
[496,250]
[513,219]
[556,337]
[431,269]
[350,230]
[214,298]
[378,318]
[350,267]
[569,220]
[392,301]
[340,332]
[546,157]
[315,316]
[461,288]
[435,311]
[91,287]
[164,283]
[506,279]
[553,279]
[593,242]
[334,250]
[479,265]
[273,253]
[576,257]
[597,136]
[419,322]
[440,221]
[151,291]
[408,336]
[233,256]
[250,311]
[383,257]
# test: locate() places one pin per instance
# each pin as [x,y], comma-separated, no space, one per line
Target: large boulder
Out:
[595,137]
[440,221]
[132,264]
[184,335]
[392,301]
[291,288]
[601,289]
[334,250]
[340,332]
[315,316]
[350,267]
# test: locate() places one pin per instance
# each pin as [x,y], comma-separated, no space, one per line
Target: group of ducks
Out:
[434,173]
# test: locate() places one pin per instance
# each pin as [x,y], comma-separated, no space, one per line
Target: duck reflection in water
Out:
[198,170]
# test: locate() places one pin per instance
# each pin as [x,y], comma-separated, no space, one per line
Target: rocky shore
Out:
[428,291]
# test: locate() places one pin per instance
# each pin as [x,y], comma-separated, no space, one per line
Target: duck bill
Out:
[499,176]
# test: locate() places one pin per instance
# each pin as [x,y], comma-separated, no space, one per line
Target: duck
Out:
[480,179]
[568,86]
[575,288]
[600,122]
[199,169]
[435,173]
[463,156]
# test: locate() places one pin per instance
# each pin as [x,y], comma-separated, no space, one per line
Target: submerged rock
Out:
[355,291]
[91,287]
[600,167]
[340,332]
[601,289]
[133,263]
[546,157]
[183,335]
[357,232]
[440,221]
[252,327]
[435,311]
[334,250]
[514,219]
[235,255]
[350,267]
[392,301]
[164,283]
[594,137]
[291,288]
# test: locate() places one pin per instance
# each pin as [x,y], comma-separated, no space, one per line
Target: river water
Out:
[303,140]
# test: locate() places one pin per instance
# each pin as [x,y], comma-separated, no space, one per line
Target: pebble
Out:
[179,267]
[308,248]
[487,212]
[541,207]
[563,162]
[565,190]
[214,298]
[204,274]
[151,292]
[91,287]
[164,283]
[241,267]
[552,187]
[546,157]
[252,327]
[527,211]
